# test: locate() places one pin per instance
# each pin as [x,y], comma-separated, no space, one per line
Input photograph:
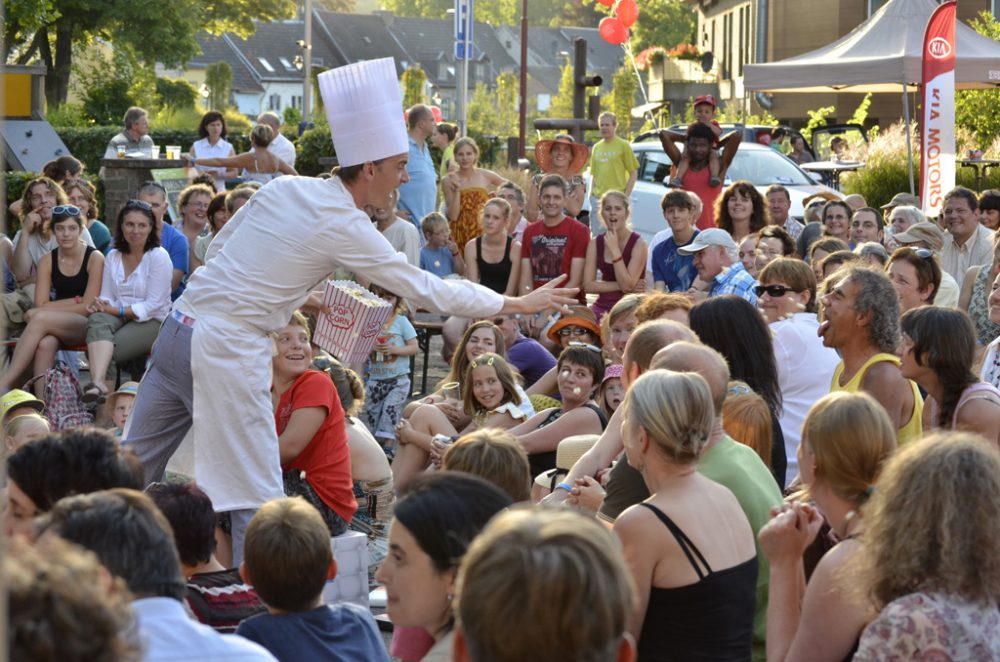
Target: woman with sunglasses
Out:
[71,273]
[916,275]
[787,298]
[577,325]
[134,299]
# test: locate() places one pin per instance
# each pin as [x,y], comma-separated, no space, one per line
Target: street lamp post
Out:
[523,106]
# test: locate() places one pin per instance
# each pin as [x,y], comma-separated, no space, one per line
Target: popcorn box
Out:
[355,319]
[350,549]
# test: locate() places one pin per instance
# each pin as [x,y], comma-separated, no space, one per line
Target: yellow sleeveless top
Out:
[913,428]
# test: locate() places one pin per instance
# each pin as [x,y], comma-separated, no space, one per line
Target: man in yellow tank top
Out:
[861,321]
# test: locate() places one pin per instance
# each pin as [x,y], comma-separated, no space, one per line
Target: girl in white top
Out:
[134,299]
[787,298]
[213,144]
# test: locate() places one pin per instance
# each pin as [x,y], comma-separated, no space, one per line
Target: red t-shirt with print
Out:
[551,250]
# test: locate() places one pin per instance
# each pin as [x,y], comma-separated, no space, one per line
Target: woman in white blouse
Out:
[134,299]
[213,144]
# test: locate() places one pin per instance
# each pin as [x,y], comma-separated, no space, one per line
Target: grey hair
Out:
[877,298]
[870,249]
[912,214]
[271,118]
[133,115]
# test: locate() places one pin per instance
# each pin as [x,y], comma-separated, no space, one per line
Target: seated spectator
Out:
[695,585]
[133,540]
[218,216]
[62,607]
[903,217]
[495,456]
[611,393]
[69,280]
[121,402]
[81,194]
[36,238]
[719,270]
[967,243]
[741,210]
[820,249]
[440,255]
[916,275]
[22,430]
[773,242]
[673,271]
[872,253]
[583,495]
[991,365]
[258,165]
[747,254]
[580,371]
[867,224]
[212,133]
[938,350]
[402,235]
[488,257]
[134,138]
[855,201]
[541,574]
[618,254]
[16,403]
[787,297]
[312,439]
[618,325]
[514,196]
[134,299]
[387,386]
[489,399]
[288,561]
[527,355]
[747,419]
[436,519]
[930,236]
[664,306]
[974,298]
[154,195]
[193,203]
[989,209]
[835,261]
[737,330]
[846,439]
[837,220]
[77,461]
[216,596]
[932,576]
[574,325]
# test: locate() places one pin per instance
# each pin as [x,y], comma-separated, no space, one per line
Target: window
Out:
[286,64]
[544,102]
[267,65]
[480,72]
[297,101]
[442,70]
[274,102]
[742,51]
[655,166]
[875,5]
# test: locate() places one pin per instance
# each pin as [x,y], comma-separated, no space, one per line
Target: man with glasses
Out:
[173,241]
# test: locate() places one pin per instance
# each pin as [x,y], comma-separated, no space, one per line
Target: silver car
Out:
[761,165]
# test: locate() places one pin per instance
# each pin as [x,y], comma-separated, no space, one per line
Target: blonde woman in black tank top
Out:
[493,247]
[71,275]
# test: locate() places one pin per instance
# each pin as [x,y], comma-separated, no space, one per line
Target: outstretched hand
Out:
[546,297]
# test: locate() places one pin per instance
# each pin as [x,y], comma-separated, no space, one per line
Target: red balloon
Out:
[606,3]
[436,112]
[628,12]
[612,30]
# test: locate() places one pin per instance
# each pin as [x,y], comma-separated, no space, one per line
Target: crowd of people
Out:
[751,437]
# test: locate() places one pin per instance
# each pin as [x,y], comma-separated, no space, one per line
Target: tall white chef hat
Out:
[365,110]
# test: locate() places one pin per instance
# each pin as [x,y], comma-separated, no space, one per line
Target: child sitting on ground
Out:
[121,406]
[441,256]
[287,559]
[704,113]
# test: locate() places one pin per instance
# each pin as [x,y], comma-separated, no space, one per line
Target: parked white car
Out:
[761,165]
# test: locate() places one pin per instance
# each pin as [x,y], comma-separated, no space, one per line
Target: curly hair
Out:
[194,189]
[759,217]
[655,304]
[931,522]
[944,340]
[877,298]
[85,188]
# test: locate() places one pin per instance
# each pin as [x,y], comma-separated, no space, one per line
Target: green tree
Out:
[976,110]
[664,23]
[219,81]
[495,112]
[414,82]
[621,98]
[107,90]
[861,112]
[151,31]
[562,103]
[175,93]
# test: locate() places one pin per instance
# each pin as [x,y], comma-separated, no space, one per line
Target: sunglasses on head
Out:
[923,253]
[585,345]
[773,291]
[66,209]
[138,204]
[498,321]
[573,330]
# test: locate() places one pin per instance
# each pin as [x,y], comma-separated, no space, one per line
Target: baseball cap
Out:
[706,98]
[706,238]
[901,199]
[926,232]
[18,398]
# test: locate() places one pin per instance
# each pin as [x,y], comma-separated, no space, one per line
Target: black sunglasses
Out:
[66,209]
[773,291]
[574,330]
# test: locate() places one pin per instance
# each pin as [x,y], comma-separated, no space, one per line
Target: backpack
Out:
[62,396]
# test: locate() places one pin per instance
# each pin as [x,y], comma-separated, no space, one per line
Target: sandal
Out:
[92,394]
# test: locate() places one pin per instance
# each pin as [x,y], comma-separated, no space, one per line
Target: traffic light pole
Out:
[581,81]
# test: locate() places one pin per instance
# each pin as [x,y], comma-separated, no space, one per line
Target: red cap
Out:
[706,98]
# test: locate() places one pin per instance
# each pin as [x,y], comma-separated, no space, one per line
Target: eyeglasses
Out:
[773,291]
[138,204]
[585,345]
[573,330]
[66,209]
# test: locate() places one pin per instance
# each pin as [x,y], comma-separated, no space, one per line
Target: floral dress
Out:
[467,227]
[979,309]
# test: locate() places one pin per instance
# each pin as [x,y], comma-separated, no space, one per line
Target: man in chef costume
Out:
[211,361]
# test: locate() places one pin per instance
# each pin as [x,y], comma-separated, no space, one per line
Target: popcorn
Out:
[355,319]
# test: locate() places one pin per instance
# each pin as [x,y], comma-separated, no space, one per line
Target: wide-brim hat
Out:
[128,388]
[568,452]
[543,153]
[575,316]
[927,232]
[364,107]
[18,398]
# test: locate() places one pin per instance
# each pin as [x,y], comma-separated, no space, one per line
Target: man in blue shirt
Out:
[673,271]
[172,240]
[715,255]
[417,197]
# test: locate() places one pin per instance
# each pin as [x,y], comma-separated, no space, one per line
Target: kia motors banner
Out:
[937,138]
